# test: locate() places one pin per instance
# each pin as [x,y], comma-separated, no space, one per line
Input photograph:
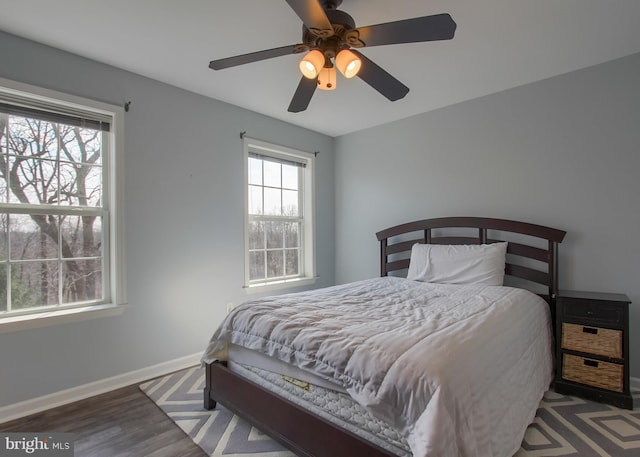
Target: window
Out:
[279,218]
[60,233]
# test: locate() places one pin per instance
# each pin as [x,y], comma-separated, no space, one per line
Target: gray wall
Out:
[563,152]
[184,224]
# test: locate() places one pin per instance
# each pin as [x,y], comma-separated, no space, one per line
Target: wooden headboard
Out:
[532,252]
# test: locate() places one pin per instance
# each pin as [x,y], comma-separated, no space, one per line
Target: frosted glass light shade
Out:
[348,63]
[312,63]
[327,79]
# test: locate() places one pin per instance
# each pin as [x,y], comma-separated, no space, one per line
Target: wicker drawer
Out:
[593,340]
[595,373]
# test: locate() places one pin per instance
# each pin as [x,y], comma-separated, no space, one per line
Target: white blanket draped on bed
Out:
[459,369]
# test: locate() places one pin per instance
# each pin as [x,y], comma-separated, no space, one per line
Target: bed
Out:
[436,356]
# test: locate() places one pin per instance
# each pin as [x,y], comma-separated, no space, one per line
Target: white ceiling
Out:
[499,44]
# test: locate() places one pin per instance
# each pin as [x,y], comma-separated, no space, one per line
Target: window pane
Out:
[291,265]
[256,265]
[272,176]
[32,236]
[255,200]
[82,280]
[3,288]
[255,171]
[290,203]
[80,184]
[3,154]
[80,166]
[93,187]
[33,181]
[275,264]
[33,149]
[292,235]
[32,138]
[3,237]
[3,189]
[272,201]
[80,146]
[81,236]
[256,235]
[275,235]
[34,284]
[290,177]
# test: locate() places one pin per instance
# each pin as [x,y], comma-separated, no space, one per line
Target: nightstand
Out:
[592,346]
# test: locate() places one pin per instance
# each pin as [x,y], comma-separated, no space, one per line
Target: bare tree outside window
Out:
[51,224]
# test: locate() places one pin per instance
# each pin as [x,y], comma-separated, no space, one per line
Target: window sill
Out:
[279,285]
[46,319]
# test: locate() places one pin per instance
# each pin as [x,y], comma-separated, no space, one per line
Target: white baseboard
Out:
[63,397]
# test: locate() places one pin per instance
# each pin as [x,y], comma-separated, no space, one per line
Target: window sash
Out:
[283,248]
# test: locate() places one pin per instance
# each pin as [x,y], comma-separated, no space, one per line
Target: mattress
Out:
[251,358]
[335,406]
[457,370]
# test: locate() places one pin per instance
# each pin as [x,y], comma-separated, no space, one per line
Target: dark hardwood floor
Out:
[116,424]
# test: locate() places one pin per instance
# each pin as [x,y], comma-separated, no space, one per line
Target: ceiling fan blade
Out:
[313,16]
[419,29]
[380,80]
[255,56]
[303,95]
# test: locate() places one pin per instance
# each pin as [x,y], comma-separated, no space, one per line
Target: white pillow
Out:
[458,264]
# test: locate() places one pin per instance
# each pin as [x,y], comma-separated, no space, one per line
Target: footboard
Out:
[303,432]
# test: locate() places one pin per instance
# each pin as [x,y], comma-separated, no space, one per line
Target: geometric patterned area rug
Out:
[218,432]
[564,425]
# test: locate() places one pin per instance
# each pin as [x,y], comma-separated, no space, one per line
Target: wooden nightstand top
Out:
[596,296]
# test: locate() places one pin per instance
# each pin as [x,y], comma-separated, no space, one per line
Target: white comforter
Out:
[459,369]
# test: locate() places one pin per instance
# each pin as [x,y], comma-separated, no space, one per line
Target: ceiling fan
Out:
[328,36]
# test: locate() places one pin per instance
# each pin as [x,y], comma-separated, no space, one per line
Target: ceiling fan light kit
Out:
[312,64]
[328,35]
[327,78]
[348,63]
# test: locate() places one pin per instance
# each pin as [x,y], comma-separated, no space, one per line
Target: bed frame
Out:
[307,434]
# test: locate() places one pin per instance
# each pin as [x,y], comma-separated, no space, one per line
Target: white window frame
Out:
[114,278]
[308,262]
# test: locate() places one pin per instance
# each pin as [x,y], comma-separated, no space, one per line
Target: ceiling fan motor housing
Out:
[341,23]
[330,4]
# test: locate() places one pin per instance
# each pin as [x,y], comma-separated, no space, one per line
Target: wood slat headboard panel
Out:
[396,242]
